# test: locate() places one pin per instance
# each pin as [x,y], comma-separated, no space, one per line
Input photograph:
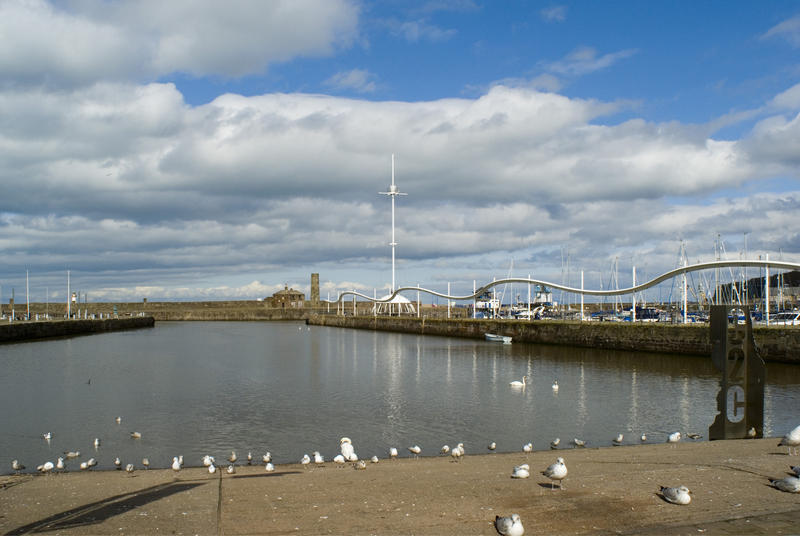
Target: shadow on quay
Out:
[97,512]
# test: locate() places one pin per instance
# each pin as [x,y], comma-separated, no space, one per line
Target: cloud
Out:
[554,14]
[95,40]
[130,187]
[788,30]
[359,80]
[585,60]
[415,31]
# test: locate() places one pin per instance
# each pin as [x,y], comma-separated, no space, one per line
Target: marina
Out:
[197,388]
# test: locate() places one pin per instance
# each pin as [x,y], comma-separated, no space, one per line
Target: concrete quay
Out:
[611,490]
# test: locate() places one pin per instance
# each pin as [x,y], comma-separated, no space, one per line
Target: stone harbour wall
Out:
[23,331]
[779,344]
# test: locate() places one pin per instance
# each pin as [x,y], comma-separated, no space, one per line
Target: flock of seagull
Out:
[505,526]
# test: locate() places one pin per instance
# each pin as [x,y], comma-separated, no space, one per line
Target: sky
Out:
[204,150]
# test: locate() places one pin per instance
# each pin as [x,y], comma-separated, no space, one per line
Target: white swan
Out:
[517,383]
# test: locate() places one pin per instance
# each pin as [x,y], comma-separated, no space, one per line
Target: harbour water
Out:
[198,388]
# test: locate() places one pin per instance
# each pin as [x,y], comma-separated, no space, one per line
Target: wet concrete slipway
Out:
[609,490]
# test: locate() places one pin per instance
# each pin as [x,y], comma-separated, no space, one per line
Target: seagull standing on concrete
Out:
[445,450]
[305,460]
[176,466]
[348,451]
[527,448]
[579,442]
[492,446]
[266,458]
[509,526]
[269,467]
[792,439]
[556,471]
[339,460]
[679,495]
[17,467]
[415,450]
[674,437]
[393,453]
[554,443]
[318,458]
[617,441]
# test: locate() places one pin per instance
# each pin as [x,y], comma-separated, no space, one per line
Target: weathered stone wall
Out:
[775,343]
[22,331]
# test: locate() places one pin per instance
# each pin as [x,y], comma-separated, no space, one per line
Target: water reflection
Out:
[197,388]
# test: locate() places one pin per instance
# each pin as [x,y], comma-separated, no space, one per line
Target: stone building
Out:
[287,298]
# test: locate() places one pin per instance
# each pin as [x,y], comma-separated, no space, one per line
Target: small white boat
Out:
[497,338]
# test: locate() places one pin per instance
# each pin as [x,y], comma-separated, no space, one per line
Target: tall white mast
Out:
[392,193]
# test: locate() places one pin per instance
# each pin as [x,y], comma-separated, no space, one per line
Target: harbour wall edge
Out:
[26,331]
[775,344]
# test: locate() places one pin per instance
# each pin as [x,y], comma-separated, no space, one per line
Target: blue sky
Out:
[206,150]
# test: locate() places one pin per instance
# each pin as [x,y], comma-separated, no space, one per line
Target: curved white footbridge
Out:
[766,264]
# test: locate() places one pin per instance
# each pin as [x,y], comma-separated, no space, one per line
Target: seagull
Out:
[305,460]
[492,446]
[579,442]
[527,448]
[555,386]
[360,464]
[176,466]
[556,471]
[60,464]
[72,454]
[96,442]
[146,463]
[46,467]
[17,467]
[84,466]
[92,462]
[129,468]
[136,435]
[792,439]
[415,450]
[674,437]
[266,458]
[231,469]
[212,469]
[119,420]
[693,436]
[339,460]
[617,441]
[318,458]
[554,443]
[208,461]
[751,433]
[347,449]
[789,484]
[393,453]
[232,458]
[445,449]
[117,463]
[509,526]
[47,436]
[180,459]
[794,468]
[517,383]
[458,452]
[643,438]
[249,458]
[374,459]
[679,495]
[269,467]
[521,471]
